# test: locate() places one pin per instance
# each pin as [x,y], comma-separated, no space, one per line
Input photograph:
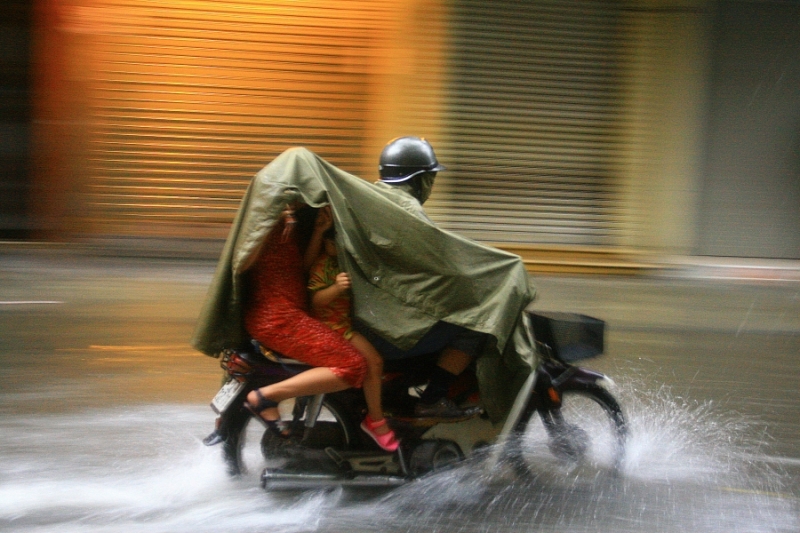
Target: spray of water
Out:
[140,470]
[674,439]
[689,466]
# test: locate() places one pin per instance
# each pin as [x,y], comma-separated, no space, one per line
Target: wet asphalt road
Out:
[102,392]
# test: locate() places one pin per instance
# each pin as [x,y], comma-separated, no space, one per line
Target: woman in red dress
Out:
[277,316]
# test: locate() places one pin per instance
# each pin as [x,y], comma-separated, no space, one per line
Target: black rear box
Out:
[568,337]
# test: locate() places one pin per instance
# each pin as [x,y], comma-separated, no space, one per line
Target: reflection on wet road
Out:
[104,404]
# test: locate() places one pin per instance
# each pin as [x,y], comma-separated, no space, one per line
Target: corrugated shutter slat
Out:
[533,122]
[190,99]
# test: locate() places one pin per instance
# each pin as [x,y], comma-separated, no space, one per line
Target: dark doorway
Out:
[15,117]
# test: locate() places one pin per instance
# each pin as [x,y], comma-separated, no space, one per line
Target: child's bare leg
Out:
[372,381]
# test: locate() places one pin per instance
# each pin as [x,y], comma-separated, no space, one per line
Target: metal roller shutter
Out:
[534,102]
[190,98]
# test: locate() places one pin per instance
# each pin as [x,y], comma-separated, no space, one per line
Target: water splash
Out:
[677,439]
[689,467]
[145,469]
[141,470]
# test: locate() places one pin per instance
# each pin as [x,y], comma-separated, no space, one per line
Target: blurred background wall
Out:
[586,134]
[15,119]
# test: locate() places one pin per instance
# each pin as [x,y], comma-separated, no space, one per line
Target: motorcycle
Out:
[327,448]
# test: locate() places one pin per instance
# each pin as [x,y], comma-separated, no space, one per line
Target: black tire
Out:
[588,430]
[335,429]
[434,455]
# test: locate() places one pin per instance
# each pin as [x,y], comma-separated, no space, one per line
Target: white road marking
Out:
[31,302]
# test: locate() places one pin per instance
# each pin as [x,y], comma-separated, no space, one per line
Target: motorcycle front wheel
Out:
[587,430]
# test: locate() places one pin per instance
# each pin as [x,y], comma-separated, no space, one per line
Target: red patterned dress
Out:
[276,313]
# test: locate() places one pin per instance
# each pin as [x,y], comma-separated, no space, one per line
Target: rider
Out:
[408,165]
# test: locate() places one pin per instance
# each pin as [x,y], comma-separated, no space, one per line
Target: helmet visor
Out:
[393,174]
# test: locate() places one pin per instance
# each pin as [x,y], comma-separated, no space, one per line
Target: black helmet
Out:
[406,157]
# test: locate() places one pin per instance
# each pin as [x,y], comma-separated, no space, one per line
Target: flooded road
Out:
[103,406]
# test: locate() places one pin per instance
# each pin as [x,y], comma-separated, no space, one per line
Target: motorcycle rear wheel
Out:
[588,430]
[333,428]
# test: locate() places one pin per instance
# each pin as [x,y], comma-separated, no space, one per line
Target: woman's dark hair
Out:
[330,233]
[306,216]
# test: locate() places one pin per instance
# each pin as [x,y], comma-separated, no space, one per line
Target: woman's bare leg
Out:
[318,380]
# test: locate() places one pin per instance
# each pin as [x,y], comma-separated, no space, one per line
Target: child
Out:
[330,303]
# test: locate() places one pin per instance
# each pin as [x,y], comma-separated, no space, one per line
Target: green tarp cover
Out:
[407,273]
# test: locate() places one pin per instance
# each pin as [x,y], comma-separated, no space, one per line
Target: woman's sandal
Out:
[387,441]
[278,427]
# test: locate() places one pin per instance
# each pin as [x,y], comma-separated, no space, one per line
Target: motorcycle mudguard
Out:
[576,375]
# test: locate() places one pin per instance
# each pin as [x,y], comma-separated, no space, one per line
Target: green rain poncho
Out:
[407,274]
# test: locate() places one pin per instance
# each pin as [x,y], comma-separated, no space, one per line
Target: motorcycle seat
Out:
[276,357]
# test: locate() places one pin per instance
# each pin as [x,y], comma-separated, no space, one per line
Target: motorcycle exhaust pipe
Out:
[271,480]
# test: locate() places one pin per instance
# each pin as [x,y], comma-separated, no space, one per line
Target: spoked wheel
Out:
[587,431]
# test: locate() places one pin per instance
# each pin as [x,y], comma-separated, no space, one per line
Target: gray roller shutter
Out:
[532,122]
[750,199]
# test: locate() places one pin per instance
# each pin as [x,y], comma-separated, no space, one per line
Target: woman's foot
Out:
[266,412]
[381,433]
